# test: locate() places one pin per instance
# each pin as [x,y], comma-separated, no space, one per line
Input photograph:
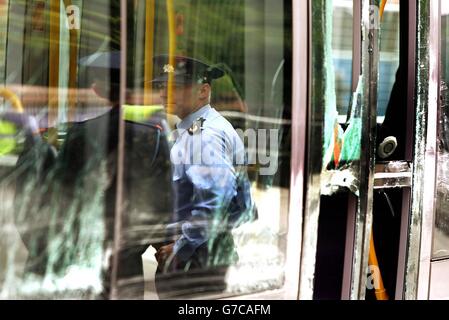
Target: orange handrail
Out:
[380,291]
[73,67]
[382,8]
[53,72]
[171,51]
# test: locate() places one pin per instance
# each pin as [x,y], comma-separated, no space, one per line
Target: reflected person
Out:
[211,188]
[77,196]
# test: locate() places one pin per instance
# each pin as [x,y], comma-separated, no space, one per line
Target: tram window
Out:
[59,125]
[247,45]
[3,25]
[342,46]
[441,232]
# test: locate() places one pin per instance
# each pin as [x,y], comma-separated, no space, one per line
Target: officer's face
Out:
[185,98]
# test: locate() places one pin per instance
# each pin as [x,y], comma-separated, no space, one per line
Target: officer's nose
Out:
[163,92]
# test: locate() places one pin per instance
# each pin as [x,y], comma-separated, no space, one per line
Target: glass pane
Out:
[335,106]
[213,79]
[392,90]
[335,136]
[342,44]
[58,147]
[441,232]
[389,55]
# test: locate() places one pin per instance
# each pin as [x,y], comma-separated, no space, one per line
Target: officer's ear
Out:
[204,91]
[109,92]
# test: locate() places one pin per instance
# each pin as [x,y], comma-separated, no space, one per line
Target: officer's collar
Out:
[187,122]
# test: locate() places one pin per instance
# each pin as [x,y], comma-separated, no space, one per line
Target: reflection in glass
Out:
[342,44]
[59,144]
[250,41]
[342,108]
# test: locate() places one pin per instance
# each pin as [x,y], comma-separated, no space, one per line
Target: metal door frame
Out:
[430,151]
[421,222]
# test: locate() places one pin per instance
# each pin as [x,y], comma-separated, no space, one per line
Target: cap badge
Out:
[168,68]
[196,126]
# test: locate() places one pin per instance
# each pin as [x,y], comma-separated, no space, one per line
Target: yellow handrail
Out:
[149,48]
[53,78]
[171,51]
[73,67]
[13,98]
[382,8]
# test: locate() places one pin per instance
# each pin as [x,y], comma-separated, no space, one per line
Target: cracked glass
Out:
[92,212]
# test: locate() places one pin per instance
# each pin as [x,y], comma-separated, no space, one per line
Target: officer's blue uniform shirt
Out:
[212,192]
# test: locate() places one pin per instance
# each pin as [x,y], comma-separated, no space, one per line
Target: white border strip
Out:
[300,74]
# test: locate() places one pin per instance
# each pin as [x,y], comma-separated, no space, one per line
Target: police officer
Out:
[212,191]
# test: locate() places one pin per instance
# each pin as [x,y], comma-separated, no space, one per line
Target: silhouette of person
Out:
[211,187]
[75,197]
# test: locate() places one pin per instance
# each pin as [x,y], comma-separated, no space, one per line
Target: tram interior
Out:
[388,203]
